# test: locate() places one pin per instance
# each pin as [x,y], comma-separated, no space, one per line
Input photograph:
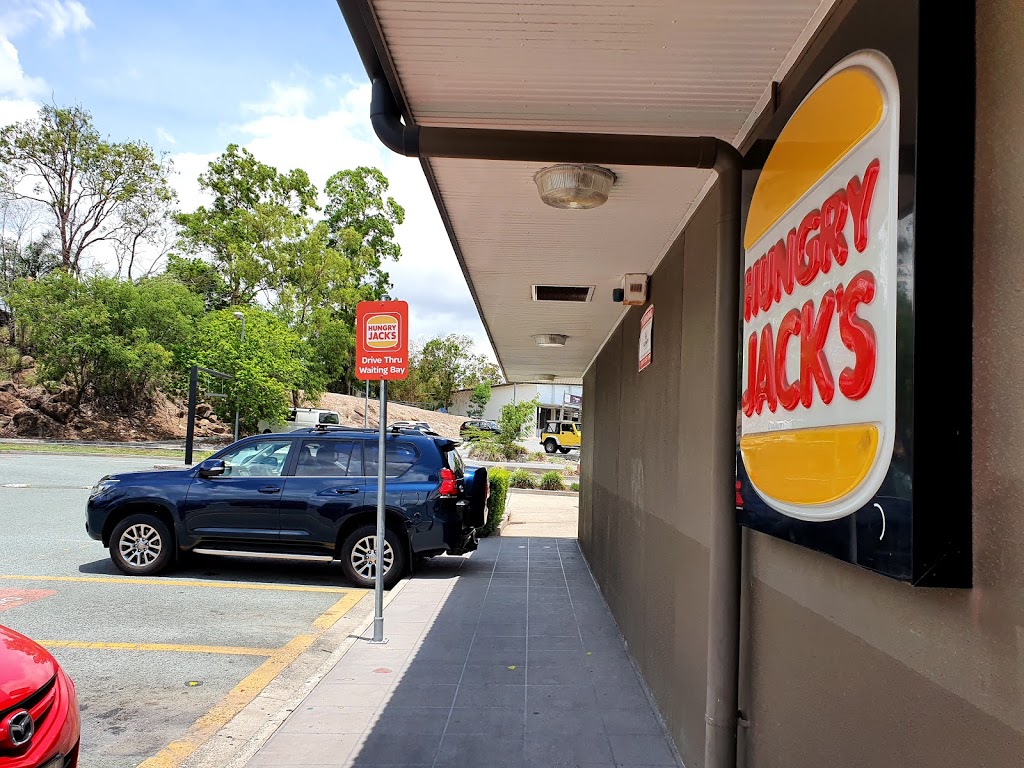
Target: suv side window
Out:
[401,457]
[261,458]
[567,428]
[328,458]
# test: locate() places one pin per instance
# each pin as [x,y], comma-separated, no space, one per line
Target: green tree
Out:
[361,221]
[447,364]
[268,366]
[93,189]
[479,399]
[512,422]
[249,230]
[94,334]
[200,277]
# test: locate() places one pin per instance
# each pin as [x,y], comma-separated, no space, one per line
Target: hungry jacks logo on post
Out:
[382,331]
[819,299]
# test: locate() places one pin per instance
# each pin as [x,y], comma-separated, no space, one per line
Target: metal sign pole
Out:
[366,406]
[378,587]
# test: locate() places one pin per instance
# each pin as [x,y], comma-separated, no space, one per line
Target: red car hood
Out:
[25,667]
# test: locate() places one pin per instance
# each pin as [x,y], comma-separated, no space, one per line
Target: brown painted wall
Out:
[841,666]
[643,519]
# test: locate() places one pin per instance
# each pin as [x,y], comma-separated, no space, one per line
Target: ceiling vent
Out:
[562,292]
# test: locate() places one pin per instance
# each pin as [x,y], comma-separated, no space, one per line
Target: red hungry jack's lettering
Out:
[789,394]
[814,368]
[860,197]
[812,247]
[833,242]
[858,336]
[808,248]
[764,387]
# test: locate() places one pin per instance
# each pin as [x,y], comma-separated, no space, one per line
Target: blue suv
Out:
[312,492]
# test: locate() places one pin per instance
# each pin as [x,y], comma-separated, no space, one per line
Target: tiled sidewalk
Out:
[506,658]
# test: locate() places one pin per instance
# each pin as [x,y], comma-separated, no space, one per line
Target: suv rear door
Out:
[327,485]
[413,476]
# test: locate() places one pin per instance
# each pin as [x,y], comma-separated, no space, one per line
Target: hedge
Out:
[499,482]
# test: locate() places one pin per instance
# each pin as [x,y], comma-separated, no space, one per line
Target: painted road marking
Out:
[178,583]
[175,753]
[172,647]
[12,598]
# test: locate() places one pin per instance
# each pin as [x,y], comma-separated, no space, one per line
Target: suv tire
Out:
[142,545]
[478,499]
[357,549]
[550,445]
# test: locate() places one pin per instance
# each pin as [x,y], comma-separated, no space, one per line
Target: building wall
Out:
[503,394]
[840,666]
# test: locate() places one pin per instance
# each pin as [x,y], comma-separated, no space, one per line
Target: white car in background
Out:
[299,418]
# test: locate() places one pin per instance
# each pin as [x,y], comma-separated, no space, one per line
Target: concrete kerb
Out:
[539,492]
[238,741]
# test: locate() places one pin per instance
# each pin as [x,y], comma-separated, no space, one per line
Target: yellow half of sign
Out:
[810,466]
[831,121]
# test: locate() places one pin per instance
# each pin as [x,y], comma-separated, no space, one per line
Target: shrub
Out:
[522,479]
[552,481]
[485,451]
[499,481]
[575,487]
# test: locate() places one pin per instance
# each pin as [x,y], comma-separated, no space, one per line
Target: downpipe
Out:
[721,706]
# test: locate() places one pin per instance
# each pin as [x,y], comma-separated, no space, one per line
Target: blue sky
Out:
[191,76]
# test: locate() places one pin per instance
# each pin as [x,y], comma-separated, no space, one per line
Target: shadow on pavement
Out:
[506,658]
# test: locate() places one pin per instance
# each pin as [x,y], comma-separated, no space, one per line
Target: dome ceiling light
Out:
[550,339]
[574,186]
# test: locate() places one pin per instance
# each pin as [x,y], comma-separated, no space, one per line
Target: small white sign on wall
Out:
[646,331]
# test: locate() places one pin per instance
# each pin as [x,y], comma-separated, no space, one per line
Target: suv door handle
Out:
[270,489]
[345,491]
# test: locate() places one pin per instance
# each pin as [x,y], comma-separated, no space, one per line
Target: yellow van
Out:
[561,436]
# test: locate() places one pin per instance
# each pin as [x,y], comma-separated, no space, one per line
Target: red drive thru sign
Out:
[382,340]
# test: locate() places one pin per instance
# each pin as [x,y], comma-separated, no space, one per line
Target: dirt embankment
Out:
[350,412]
[32,411]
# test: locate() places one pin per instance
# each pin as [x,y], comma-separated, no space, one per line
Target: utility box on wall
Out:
[634,288]
[842,321]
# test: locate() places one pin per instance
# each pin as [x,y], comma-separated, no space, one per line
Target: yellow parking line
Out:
[177,583]
[172,647]
[175,753]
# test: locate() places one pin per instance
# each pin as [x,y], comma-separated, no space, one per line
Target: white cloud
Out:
[287,134]
[165,137]
[59,17]
[19,92]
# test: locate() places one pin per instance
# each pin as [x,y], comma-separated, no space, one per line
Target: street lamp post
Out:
[239,316]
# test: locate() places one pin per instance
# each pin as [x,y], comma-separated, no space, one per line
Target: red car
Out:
[39,724]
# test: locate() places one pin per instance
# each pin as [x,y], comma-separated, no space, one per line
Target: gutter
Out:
[411,140]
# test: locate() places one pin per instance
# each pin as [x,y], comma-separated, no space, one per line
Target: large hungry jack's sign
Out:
[819,299]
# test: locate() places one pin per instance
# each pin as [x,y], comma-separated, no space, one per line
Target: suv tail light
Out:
[448,487]
[739,495]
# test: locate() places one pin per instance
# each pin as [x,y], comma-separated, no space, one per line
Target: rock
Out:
[220,429]
[65,394]
[27,361]
[9,404]
[57,411]
[213,417]
[4,421]
[8,386]
[203,410]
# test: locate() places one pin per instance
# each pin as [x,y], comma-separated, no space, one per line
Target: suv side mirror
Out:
[212,468]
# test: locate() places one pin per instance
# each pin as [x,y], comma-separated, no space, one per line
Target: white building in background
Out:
[557,401]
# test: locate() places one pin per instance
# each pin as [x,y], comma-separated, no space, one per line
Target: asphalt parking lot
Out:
[149,656]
